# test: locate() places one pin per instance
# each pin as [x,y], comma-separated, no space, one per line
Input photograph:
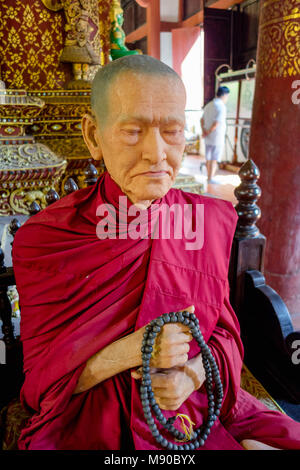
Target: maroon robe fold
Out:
[79,293]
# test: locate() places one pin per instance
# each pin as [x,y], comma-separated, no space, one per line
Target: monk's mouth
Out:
[154,174]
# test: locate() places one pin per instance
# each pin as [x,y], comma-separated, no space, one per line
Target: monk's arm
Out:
[126,354]
[226,346]
[194,369]
[118,356]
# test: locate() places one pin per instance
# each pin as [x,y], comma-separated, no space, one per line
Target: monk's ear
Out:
[91,136]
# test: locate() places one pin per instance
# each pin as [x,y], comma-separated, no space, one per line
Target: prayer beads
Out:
[213,385]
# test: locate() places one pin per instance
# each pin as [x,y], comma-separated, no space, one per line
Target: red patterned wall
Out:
[104,8]
[31,41]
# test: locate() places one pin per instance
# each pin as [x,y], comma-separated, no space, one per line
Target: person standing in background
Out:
[213,125]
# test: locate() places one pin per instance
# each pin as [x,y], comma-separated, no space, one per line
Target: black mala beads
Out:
[213,385]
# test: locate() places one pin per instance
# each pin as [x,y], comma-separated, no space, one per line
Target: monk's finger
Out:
[251,444]
[166,393]
[169,401]
[168,404]
[172,330]
[190,309]
[138,373]
[168,379]
[178,360]
[169,362]
[160,379]
[176,350]
[182,338]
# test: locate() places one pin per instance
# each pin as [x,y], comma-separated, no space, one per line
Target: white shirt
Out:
[215,111]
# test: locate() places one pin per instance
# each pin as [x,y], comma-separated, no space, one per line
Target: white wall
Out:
[166,48]
[192,75]
[169,10]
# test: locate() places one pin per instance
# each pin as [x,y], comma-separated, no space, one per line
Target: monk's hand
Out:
[171,346]
[171,387]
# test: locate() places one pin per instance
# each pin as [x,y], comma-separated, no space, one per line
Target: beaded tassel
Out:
[187,431]
[213,383]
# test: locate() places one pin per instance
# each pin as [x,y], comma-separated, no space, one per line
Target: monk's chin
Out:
[153,196]
[150,191]
[156,190]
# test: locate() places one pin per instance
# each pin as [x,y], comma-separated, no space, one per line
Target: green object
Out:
[117,35]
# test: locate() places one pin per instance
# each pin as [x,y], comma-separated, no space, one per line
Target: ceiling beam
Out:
[167,26]
[194,20]
[137,34]
[222,3]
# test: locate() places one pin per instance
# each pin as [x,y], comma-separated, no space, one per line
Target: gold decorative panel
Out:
[31,41]
[27,172]
[279,38]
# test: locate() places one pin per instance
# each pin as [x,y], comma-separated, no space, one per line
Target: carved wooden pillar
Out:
[249,244]
[70,186]
[14,227]
[91,174]
[275,143]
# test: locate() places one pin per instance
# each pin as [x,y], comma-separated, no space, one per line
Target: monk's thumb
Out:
[190,309]
[136,374]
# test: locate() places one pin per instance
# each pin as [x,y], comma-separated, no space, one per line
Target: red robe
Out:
[79,293]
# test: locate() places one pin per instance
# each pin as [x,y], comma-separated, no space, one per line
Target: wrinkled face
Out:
[142,141]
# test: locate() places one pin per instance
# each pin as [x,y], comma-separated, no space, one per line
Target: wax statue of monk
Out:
[87,294]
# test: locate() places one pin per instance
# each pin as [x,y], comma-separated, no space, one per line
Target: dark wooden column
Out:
[217,46]
[249,244]
[153,29]
[275,145]
[267,332]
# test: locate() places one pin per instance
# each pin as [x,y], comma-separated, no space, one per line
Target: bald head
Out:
[105,77]
[139,103]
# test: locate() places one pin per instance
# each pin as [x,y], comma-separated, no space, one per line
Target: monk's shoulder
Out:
[215,209]
[218,228]
[49,222]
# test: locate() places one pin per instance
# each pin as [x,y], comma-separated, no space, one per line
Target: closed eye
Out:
[132,131]
[172,129]
[174,133]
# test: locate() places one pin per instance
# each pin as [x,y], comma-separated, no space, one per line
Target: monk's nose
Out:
[154,146]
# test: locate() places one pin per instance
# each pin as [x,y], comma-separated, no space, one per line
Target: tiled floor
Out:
[195,165]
